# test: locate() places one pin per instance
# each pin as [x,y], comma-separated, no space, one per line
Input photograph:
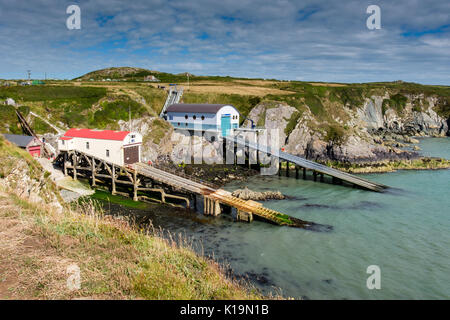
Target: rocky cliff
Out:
[379,129]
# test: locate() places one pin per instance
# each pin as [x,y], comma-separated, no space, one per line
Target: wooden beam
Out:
[113,179]
[93,171]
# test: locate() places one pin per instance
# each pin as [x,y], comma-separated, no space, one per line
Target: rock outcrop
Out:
[247,194]
[373,132]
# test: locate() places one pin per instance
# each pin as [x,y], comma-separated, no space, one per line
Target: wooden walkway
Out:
[246,208]
[138,176]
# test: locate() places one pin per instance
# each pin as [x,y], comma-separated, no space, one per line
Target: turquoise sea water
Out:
[405,231]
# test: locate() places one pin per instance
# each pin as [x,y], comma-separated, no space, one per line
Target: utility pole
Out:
[187,73]
[129,118]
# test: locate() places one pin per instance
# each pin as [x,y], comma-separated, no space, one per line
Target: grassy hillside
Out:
[116,260]
[100,104]
[138,74]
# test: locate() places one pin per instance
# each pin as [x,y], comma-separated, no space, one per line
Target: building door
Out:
[225,124]
[131,154]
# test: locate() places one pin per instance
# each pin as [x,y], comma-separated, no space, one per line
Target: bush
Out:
[335,134]
[292,122]
[117,110]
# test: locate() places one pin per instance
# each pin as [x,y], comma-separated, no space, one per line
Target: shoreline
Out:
[422,163]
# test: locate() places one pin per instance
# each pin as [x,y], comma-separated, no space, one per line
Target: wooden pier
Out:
[140,179]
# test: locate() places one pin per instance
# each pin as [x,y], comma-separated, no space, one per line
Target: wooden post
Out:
[65,163]
[258,162]
[304,173]
[135,187]
[93,171]
[235,153]
[224,151]
[194,200]
[205,205]
[321,177]
[296,172]
[287,168]
[113,179]
[279,167]
[249,162]
[315,175]
[75,160]
[216,208]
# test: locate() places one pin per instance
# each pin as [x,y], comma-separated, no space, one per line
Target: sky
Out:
[290,40]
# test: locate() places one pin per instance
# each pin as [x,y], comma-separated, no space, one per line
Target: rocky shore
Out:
[247,194]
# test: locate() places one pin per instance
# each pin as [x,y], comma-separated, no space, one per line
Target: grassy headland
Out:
[39,241]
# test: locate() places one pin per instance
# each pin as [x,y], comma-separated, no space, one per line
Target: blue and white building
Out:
[206,117]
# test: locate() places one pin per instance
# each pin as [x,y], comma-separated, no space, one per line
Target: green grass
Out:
[83,95]
[335,134]
[117,199]
[118,260]
[292,122]
[112,111]
[158,130]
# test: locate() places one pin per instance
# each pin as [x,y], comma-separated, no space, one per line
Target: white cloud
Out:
[328,41]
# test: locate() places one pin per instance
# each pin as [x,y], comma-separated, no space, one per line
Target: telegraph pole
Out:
[129,118]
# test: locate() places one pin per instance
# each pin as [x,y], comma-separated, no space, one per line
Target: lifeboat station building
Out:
[208,117]
[29,143]
[117,147]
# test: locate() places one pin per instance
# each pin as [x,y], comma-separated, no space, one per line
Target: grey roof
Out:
[19,140]
[200,108]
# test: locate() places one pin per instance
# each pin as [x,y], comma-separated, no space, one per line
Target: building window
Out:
[203,117]
[107,153]
[186,117]
[87,145]
[194,117]
[170,117]
[178,124]
[186,124]
[63,142]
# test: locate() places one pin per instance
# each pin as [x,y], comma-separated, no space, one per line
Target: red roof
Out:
[65,138]
[96,134]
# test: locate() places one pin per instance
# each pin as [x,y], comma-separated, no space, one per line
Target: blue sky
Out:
[296,40]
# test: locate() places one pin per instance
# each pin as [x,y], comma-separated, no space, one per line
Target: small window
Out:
[186,124]
[178,124]
[133,136]
[87,145]
[186,117]
[63,142]
[194,117]
[203,117]
[107,152]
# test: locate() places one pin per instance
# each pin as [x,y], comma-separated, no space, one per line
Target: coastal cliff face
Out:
[372,132]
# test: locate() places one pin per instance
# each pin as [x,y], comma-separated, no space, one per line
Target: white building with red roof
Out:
[118,147]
